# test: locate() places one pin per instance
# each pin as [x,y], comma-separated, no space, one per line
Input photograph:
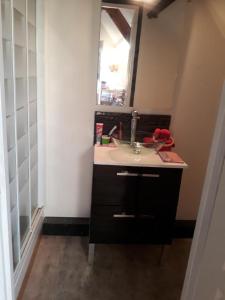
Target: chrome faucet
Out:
[134,119]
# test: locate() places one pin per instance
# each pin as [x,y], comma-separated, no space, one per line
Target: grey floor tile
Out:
[60,271]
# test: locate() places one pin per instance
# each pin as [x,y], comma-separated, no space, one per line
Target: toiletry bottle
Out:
[99,131]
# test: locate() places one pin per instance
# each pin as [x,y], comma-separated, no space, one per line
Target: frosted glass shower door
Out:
[18,24]
[10,114]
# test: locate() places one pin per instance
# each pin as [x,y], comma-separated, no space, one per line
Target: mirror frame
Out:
[137,42]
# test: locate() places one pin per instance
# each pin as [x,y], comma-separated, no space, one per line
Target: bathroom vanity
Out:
[134,196]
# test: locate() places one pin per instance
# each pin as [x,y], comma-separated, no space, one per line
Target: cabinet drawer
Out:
[128,230]
[111,225]
[112,230]
[125,212]
[113,185]
[110,211]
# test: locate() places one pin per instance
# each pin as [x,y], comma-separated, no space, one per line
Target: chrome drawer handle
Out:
[142,216]
[126,173]
[151,175]
[123,216]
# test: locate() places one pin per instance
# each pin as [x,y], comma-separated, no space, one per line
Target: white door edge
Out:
[207,202]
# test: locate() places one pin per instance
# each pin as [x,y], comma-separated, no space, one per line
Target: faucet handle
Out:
[134,113]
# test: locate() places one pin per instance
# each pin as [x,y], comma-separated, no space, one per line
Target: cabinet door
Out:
[158,191]
[157,198]
[114,185]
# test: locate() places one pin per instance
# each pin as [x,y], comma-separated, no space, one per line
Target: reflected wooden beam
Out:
[120,21]
[154,12]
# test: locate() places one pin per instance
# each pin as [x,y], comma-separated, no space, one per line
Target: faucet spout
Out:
[134,119]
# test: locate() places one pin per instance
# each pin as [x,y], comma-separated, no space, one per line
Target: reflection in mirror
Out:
[118,48]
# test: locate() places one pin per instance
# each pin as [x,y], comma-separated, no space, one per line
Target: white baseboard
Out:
[28,251]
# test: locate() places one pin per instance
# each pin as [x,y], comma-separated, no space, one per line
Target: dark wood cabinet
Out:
[133,204]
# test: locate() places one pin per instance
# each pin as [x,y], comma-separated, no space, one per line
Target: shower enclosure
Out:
[20,95]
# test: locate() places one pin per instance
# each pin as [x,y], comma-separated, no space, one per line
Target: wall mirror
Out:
[119,39]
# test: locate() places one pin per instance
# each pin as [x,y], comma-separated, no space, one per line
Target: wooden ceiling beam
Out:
[120,21]
[154,12]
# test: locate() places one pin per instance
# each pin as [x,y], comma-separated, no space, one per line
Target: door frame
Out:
[207,203]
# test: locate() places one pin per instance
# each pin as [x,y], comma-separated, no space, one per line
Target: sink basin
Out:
[125,153]
[119,143]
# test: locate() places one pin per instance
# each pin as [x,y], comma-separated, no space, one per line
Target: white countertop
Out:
[104,155]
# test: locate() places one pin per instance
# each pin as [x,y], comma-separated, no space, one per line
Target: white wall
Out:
[159,57]
[217,9]
[71,42]
[197,103]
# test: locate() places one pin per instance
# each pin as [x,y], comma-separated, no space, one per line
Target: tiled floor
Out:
[60,271]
